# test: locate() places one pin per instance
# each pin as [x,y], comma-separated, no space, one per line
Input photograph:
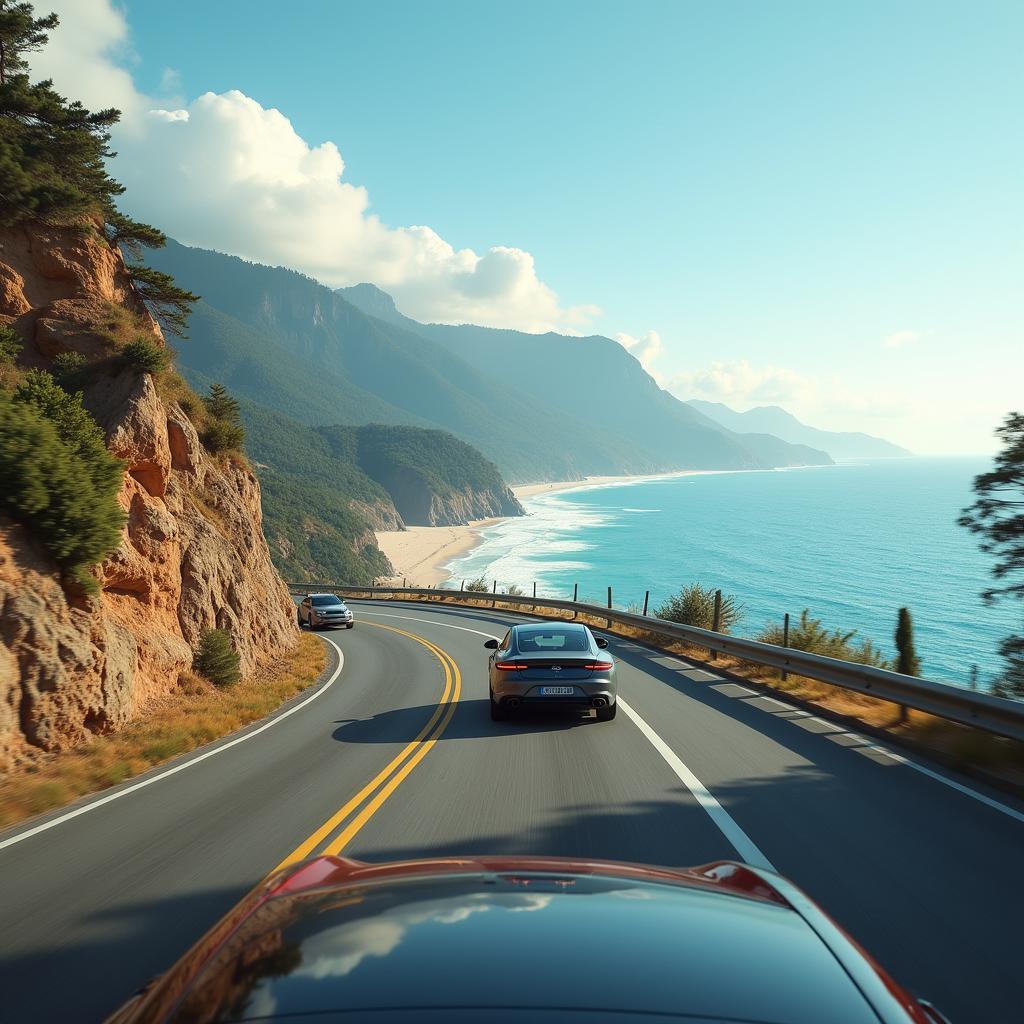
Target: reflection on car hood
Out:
[537,941]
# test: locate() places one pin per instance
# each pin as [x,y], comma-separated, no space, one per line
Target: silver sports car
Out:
[551,665]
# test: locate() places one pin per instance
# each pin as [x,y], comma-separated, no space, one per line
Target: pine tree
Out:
[20,33]
[53,162]
[907,662]
[221,406]
[216,659]
[998,517]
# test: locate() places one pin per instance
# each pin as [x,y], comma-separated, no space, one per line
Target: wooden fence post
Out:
[785,641]
[717,620]
[608,622]
[463,587]
[647,594]
[494,591]
[575,593]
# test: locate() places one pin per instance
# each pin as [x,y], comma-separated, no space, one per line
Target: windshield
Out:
[544,638]
[328,602]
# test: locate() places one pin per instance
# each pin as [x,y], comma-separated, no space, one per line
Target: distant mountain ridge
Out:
[541,407]
[774,420]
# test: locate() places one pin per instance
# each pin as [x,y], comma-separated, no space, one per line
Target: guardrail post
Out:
[575,594]
[716,621]
[463,587]
[404,583]
[494,591]
[785,641]
[647,594]
[534,606]
[608,622]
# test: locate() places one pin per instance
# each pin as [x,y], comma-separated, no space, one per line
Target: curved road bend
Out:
[397,757]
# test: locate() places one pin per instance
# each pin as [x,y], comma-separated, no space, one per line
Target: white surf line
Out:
[92,805]
[804,716]
[740,841]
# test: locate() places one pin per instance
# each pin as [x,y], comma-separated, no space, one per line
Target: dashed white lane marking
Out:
[740,841]
[791,714]
[92,805]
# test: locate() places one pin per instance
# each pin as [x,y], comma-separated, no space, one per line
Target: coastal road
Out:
[395,756]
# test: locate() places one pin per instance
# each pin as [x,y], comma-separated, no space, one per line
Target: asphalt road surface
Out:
[394,755]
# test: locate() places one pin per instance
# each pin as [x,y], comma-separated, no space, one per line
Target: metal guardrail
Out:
[967,707]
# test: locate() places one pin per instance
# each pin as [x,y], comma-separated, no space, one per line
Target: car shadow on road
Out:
[86,975]
[472,720]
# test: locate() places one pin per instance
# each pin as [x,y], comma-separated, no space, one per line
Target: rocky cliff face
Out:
[419,504]
[192,553]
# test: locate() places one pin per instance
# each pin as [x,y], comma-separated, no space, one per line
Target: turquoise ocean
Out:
[852,542]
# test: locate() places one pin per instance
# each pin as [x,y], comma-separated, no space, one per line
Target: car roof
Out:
[547,627]
[325,595]
[537,939]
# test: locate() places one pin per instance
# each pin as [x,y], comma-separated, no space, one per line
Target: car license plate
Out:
[557,691]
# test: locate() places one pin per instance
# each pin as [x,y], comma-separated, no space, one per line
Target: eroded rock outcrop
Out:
[192,553]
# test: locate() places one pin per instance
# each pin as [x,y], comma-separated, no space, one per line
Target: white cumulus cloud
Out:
[647,347]
[738,383]
[224,172]
[900,339]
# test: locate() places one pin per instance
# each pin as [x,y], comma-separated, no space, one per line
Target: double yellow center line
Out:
[379,788]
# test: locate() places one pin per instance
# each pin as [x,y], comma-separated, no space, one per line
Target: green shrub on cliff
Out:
[57,477]
[10,348]
[224,431]
[216,659]
[146,356]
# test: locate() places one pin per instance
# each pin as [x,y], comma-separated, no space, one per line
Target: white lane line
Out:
[740,841]
[54,822]
[796,713]
[952,783]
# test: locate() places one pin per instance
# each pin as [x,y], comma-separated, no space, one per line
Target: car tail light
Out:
[510,666]
[598,666]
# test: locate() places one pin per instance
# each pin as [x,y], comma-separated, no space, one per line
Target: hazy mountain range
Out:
[773,420]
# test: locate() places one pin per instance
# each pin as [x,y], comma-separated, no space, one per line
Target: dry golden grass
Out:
[119,325]
[958,745]
[196,713]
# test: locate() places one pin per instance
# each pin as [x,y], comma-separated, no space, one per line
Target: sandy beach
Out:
[419,553]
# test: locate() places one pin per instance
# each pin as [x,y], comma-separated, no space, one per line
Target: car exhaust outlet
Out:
[599,702]
[512,702]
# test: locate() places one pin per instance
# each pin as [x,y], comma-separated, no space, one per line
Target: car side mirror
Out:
[491,644]
[601,642]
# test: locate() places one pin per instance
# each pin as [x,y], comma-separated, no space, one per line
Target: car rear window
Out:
[546,638]
[326,602]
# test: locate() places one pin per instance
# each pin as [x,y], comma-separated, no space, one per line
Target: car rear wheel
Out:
[608,713]
[498,713]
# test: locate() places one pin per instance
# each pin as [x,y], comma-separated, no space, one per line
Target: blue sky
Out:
[818,204]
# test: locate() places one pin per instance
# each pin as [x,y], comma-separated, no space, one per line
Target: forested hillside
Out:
[538,406]
[326,489]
